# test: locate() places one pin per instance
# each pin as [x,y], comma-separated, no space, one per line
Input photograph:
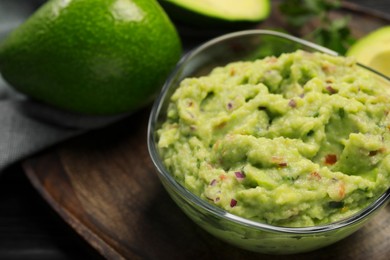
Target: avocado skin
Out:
[101,57]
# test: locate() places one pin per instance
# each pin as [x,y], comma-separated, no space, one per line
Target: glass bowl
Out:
[244,233]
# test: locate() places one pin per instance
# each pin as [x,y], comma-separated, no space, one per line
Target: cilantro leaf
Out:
[334,34]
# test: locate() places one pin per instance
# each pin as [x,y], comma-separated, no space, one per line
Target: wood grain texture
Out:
[104,185]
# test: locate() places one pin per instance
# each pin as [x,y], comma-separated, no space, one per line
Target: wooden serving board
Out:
[104,185]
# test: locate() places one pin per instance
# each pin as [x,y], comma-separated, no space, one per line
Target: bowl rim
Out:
[214,210]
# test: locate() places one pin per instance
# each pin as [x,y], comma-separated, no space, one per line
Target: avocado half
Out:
[373,50]
[214,14]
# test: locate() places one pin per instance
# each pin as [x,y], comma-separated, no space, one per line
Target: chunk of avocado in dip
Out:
[296,140]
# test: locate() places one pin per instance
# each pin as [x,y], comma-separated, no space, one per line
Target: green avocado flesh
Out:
[211,12]
[373,50]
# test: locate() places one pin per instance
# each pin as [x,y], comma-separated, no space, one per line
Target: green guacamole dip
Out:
[296,140]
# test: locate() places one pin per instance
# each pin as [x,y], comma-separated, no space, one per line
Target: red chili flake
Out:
[213,182]
[222,177]
[292,103]
[282,164]
[279,161]
[239,175]
[330,159]
[331,90]
[315,175]
[233,203]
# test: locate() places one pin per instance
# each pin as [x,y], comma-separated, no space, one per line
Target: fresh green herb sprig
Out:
[329,32]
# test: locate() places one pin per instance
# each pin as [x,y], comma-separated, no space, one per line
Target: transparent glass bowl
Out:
[244,233]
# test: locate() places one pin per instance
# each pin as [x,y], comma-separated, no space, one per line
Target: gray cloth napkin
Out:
[21,135]
[27,127]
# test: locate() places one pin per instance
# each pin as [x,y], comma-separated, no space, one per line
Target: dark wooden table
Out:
[30,229]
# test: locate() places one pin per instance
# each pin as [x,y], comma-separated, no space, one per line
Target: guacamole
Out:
[297,140]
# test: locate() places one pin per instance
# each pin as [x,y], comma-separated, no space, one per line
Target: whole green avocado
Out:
[98,57]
